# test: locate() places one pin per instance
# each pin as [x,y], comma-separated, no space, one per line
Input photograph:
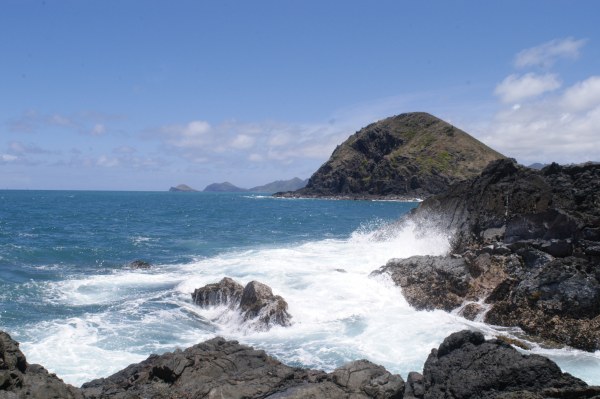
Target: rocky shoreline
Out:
[526,252]
[348,197]
[464,366]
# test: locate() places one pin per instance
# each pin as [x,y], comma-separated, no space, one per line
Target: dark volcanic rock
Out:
[256,302]
[19,379]
[464,366]
[525,241]
[408,155]
[443,282]
[556,203]
[139,264]
[430,282]
[225,292]
[468,366]
[225,369]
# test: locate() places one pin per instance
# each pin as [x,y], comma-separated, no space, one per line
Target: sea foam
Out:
[339,312]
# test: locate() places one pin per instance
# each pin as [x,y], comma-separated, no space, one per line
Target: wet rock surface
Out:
[525,241]
[467,366]
[226,369]
[464,366]
[256,302]
[19,379]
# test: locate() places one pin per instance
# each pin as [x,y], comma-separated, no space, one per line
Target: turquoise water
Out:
[67,294]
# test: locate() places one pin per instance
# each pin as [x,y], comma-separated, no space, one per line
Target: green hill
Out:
[410,155]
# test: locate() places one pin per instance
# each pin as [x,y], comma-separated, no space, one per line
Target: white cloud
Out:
[107,162]
[61,120]
[98,129]
[562,128]
[255,157]
[194,134]
[8,158]
[196,129]
[242,141]
[546,54]
[516,88]
[584,95]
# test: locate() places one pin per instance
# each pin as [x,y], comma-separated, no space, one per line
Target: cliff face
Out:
[413,154]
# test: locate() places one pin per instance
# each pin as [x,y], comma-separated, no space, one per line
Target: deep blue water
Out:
[67,294]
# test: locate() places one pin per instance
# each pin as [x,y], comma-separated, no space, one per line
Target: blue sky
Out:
[143,95]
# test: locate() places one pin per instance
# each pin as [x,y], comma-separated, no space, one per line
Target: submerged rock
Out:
[139,264]
[255,302]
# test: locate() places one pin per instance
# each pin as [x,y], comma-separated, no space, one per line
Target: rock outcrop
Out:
[525,241]
[464,366]
[255,302]
[409,155]
[226,369]
[19,379]
[467,366]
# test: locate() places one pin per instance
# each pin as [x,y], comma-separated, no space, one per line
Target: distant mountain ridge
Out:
[281,185]
[409,155]
[269,188]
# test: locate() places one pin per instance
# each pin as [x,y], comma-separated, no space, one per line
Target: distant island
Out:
[227,187]
[182,188]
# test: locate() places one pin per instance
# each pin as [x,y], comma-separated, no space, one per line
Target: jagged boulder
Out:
[256,302]
[19,379]
[467,366]
[225,292]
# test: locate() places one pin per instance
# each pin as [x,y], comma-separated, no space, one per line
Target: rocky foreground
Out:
[464,366]
[526,252]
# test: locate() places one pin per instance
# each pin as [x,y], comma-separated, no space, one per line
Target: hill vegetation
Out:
[410,155]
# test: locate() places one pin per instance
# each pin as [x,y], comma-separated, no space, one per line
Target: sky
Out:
[144,95]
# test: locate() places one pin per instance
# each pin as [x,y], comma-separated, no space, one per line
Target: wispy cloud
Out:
[546,54]
[85,123]
[561,125]
[515,88]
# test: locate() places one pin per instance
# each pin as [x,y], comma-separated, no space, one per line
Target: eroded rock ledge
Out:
[526,251]
[464,366]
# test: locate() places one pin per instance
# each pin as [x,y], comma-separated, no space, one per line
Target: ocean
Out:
[68,296]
